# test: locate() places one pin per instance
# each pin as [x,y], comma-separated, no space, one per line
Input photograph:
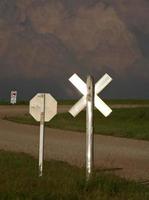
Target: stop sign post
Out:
[89,100]
[43,107]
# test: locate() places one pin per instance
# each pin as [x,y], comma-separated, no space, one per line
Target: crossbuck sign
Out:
[82,87]
[89,100]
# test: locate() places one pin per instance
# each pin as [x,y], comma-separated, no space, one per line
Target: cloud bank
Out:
[43,42]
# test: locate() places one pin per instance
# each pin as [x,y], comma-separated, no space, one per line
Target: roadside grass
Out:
[73,101]
[22,102]
[129,123]
[3,102]
[127,101]
[110,101]
[19,181]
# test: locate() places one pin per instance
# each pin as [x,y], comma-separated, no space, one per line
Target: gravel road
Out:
[125,157]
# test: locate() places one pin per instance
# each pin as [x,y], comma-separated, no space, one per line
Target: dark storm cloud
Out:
[43,42]
[92,32]
[135,13]
[143,41]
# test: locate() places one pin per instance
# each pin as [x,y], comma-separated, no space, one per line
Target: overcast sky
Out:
[43,42]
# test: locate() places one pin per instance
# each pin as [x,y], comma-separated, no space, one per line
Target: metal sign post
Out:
[88,100]
[43,107]
[89,127]
[41,139]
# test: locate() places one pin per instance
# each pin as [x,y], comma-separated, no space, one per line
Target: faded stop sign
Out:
[43,102]
[43,107]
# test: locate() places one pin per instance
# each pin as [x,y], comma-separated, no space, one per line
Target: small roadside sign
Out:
[43,107]
[13,97]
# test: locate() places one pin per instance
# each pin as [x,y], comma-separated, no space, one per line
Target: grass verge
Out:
[18,103]
[19,181]
[73,101]
[111,101]
[129,123]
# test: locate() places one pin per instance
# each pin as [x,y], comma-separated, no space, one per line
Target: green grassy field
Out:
[130,123]
[19,181]
[71,102]
[18,103]
[110,101]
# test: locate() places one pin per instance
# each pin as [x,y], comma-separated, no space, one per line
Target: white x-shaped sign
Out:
[82,87]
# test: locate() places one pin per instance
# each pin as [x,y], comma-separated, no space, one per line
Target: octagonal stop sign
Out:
[43,102]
